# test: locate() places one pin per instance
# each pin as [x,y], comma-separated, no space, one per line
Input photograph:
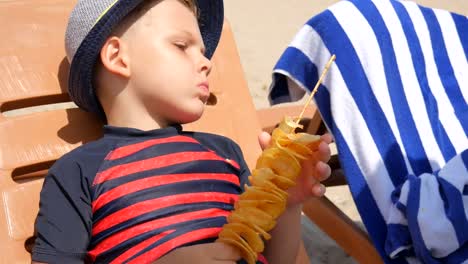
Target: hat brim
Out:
[80,83]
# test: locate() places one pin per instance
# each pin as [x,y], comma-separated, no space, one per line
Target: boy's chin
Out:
[191,117]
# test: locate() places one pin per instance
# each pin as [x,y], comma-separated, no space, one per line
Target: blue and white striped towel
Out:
[396,102]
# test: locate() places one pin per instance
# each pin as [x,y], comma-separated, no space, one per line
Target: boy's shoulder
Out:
[209,136]
[221,144]
[84,157]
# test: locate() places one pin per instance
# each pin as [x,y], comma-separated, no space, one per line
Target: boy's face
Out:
[167,63]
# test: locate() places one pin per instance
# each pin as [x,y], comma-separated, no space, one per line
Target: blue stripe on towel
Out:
[431,103]
[443,65]
[411,140]
[359,87]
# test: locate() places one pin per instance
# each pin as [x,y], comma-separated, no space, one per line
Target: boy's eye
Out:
[181,45]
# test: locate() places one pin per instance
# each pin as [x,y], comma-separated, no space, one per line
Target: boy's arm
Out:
[284,244]
[63,225]
[285,237]
[211,253]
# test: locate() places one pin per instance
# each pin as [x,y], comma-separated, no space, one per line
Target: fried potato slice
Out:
[248,234]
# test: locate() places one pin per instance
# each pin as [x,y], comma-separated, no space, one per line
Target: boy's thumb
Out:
[264,140]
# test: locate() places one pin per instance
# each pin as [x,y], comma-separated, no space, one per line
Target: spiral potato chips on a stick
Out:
[265,200]
[277,169]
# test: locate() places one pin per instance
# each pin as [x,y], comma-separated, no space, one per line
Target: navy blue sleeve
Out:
[63,225]
[244,169]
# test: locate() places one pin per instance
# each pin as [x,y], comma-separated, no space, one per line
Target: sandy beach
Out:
[263,29]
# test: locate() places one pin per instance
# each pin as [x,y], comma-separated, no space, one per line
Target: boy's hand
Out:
[314,170]
[212,253]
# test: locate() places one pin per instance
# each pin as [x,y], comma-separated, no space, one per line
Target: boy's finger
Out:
[324,152]
[318,190]
[328,138]
[264,139]
[322,171]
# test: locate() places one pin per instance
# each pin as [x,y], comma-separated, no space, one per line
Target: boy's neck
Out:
[141,121]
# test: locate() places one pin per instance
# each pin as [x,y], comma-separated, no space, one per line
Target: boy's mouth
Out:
[204,88]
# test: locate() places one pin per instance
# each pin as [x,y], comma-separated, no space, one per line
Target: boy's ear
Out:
[115,57]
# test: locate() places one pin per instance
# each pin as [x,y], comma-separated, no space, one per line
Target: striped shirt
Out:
[396,101]
[133,196]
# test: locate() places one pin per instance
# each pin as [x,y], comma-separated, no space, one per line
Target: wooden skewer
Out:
[314,91]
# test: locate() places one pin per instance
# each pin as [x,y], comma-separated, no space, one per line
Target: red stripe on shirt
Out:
[262,259]
[134,231]
[158,180]
[153,163]
[134,250]
[156,253]
[131,149]
[140,208]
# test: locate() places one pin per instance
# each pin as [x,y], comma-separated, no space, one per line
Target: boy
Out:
[148,192]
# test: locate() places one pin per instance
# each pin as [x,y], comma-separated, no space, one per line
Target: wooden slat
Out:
[32,53]
[41,137]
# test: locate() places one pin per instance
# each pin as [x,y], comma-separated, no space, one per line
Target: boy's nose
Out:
[205,65]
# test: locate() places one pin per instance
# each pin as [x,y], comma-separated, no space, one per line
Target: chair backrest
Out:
[33,71]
